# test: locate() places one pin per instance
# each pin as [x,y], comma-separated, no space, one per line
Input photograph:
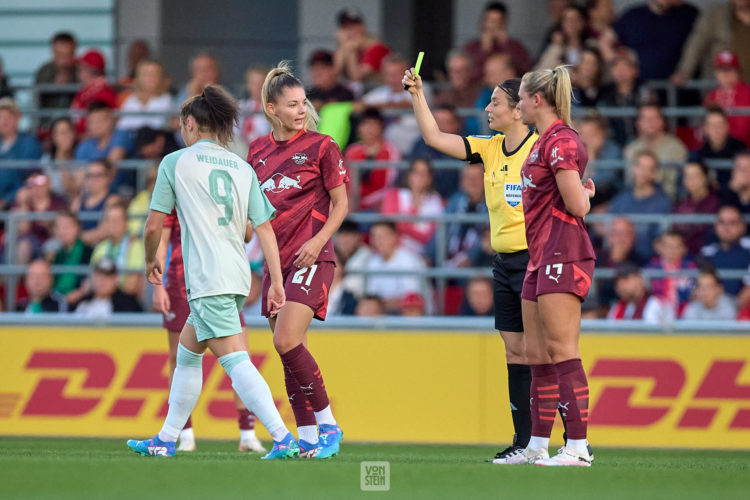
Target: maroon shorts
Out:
[179,310]
[308,286]
[568,277]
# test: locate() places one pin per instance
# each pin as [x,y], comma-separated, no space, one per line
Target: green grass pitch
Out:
[98,468]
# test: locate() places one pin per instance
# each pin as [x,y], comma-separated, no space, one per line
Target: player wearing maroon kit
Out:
[561,264]
[303,175]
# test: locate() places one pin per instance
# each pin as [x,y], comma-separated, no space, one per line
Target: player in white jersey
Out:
[216,193]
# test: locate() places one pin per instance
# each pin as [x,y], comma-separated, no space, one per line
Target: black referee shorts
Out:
[508,272]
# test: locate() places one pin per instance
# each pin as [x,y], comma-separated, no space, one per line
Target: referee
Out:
[503,156]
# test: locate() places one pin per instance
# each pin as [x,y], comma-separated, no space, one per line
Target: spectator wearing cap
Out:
[412,305]
[478,298]
[124,249]
[326,86]
[61,70]
[710,302]
[359,54]
[731,250]
[14,145]
[204,70]
[41,297]
[494,39]
[626,90]
[372,146]
[721,25]
[150,96]
[732,92]
[105,296]
[91,69]
[717,144]
[635,301]
[657,30]
[254,123]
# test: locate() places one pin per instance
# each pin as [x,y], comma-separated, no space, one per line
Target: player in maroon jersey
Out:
[171,301]
[560,268]
[303,175]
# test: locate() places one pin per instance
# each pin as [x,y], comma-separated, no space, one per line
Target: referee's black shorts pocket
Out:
[508,271]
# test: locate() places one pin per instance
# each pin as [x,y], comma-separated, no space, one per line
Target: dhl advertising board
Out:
[429,387]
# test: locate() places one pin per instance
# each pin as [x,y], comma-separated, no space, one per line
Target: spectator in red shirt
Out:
[95,87]
[494,39]
[372,146]
[732,92]
[359,54]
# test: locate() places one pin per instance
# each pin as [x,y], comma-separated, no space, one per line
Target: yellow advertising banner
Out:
[411,386]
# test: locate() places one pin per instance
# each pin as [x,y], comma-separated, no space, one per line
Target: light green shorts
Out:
[216,316]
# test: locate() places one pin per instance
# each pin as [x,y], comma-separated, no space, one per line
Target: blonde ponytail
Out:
[276,81]
[556,88]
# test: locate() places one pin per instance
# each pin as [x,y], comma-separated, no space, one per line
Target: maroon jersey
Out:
[175,269]
[296,176]
[554,236]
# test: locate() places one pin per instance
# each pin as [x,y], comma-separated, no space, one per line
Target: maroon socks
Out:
[544,398]
[300,367]
[574,397]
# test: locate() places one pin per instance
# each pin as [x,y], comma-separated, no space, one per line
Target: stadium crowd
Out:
[358,91]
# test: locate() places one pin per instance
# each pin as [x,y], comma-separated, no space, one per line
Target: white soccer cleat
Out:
[524,456]
[186,444]
[567,457]
[252,444]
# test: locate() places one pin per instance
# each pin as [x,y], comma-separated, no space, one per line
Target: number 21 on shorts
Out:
[554,271]
[299,276]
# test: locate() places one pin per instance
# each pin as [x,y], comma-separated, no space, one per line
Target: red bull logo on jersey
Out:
[279,182]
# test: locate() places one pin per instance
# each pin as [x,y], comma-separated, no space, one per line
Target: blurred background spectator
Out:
[105,296]
[149,95]
[254,123]
[14,145]
[738,191]
[567,43]
[671,256]
[716,143]
[731,250]
[125,250]
[732,92]
[204,70]
[61,70]
[326,85]
[462,90]
[700,198]
[710,302]
[70,251]
[41,297]
[625,90]
[359,54]
[635,301]
[478,298]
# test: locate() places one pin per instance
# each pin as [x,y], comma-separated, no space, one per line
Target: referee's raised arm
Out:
[450,144]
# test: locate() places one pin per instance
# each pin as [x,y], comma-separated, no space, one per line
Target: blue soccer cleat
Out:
[309,450]
[286,448]
[330,438]
[153,447]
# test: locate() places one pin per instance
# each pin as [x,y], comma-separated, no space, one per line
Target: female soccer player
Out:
[502,155]
[171,300]
[215,193]
[561,265]
[303,175]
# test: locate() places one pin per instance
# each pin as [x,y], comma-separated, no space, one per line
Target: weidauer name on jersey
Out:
[219,162]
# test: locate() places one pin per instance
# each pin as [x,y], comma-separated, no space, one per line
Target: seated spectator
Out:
[478,298]
[587,78]
[61,70]
[462,239]
[732,92]
[645,197]
[635,301]
[104,142]
[359,54]
[495,40]
[497,69]
[138,208]
[593,132]
[41,299]
[624,91]
[418,197]
[95,195]
[372,146]
[125,250]
[204,70]
[738,191]
[710,303]
[150,144]
[390,257]
[354,256]
[717,144]
[149,95]
[671,256]
[105,297]
[732,248]
[5,90]
[94,86]
[667,147]
[401,131]
[567,43]
[601,15]
[72,252]
[254,123]
[326,86]
[137,51]
[462,90]
[14,145]
[412,305]
[35,196]
[446,180]
[700,198]
[64,179]
[369,306]
[657,30]
[341,302]
[483,253]
[619,247]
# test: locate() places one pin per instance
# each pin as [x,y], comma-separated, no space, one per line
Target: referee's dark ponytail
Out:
[214,111]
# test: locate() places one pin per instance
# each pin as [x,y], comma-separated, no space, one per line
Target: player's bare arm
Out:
[267,240]
[309,251]
[248,232]
[450,144]
[577,196]
[151,239]
[161,298]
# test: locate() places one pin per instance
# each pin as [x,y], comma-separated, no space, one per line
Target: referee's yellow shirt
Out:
[502,187]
